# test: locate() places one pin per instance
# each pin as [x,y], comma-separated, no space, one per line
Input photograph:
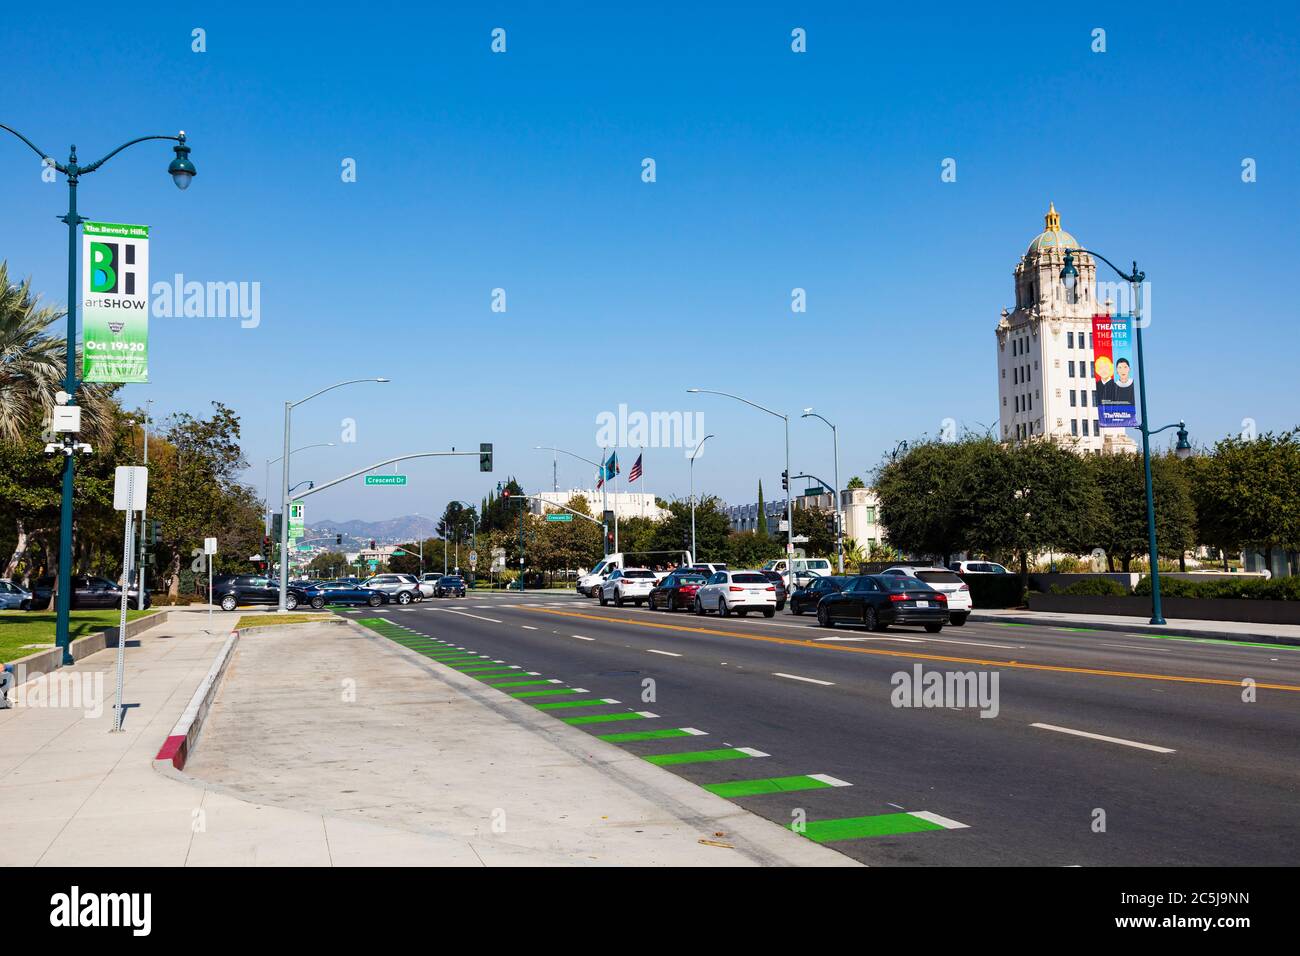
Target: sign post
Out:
[210,549]
[130,488]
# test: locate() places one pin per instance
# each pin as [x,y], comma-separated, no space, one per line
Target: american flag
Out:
[635,473]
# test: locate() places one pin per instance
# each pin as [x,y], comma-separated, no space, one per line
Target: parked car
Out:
[345,592]
[776,579]
[627,584]
[737,591]
[88,591]
[941,579]
[977,567]
[589,584]
[807,598]
[259,589]
[400,588]
[14,597]
[878,600]
[676,590]
[449,585]
[706,568]
[802,569]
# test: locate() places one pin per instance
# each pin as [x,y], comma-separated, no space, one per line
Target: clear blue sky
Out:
[775,170]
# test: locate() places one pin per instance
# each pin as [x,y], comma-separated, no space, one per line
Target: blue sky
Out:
[522,171]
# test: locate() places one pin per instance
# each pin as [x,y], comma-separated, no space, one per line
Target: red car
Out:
[676,591]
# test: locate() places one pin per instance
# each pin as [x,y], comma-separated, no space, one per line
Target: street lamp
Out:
[789,496]
[694,556]
[604,506]
[271,461]
[284,480]
[835,443]
[182,172]
[1070,278]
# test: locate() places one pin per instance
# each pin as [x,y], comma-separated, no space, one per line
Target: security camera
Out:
[51,448]
[84,448]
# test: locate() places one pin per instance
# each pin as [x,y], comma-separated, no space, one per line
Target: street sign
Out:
[209,545]
[304,547]
[473,560]
[385,479]
[296,519]
[559,516]
[398,551]
[373,564]
[128,496]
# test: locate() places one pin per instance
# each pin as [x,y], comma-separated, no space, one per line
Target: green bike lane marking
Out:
[608,718]
[880,824]
[703,756]
[755,788]
[521,683]
[664,734]
[550,693]
[565,704]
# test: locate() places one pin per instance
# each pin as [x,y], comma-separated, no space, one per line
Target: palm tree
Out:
[853,553]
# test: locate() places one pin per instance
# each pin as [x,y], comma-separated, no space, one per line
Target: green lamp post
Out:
[182,172]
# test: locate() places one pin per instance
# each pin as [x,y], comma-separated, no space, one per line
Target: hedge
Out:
[1098,587]
[1228,586]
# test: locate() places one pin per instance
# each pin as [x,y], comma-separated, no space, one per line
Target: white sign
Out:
[209,545]
[67,419]
[130,490]
[473,559]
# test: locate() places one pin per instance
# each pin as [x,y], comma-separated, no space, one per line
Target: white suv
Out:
[400,588]
[941,579]
[978,567]
[627,584]
[739,591]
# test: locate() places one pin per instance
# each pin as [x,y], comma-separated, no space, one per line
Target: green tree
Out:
[762,513]
[712,528]
[919,494]
[749,549]
[1245,493]
[815,525]
[856,482]
[1118,522]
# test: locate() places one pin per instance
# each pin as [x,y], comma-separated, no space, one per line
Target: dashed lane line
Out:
[806,680]
[1102,737]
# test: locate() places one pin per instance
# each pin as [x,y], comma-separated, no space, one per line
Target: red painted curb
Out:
[173,749]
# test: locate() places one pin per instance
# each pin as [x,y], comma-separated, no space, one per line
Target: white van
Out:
[589,583]
[804,569]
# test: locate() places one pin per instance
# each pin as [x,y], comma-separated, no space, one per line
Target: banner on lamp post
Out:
[1114,370]
[114,302]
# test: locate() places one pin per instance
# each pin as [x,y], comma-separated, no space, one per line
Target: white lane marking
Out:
[1109,740]
[651,650]
[900,640]
[750,751]
[808,680]
[693,731]
[829,780]
[483,607]
[941,640]
[581,638]
[528,627]
[479,617]
[1138,647]
[647,714]
[944,822]
[608,700]
[529,673]
[581,690]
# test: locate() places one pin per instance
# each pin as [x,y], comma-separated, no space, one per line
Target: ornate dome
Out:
[1053,237]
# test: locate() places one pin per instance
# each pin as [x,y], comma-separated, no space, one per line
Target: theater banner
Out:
[1114,370]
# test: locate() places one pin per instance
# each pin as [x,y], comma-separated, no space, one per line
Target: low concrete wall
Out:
[1193,609]
[1045,582]
[180,743]
[43,662]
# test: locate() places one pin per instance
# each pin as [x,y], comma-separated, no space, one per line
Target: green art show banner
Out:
[114,302]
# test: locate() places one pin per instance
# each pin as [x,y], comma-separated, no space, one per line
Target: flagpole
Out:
[616,503]
[604,492]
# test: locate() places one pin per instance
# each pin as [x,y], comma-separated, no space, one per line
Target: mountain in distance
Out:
[407,528]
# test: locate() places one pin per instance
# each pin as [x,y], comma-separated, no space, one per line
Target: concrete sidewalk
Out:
[1176,627]
[416,771]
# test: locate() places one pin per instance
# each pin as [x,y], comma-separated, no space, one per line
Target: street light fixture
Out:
[284,480]
[789,493]
[271,461]
[839,526]
[1135,278]
[182,171]
[694,556]
[604,500]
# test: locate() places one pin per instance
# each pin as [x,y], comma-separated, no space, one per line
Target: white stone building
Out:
[624,504]
[1045,380]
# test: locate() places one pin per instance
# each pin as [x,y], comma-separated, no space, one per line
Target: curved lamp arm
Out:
[762,408]
[100,162]
[1136,276]
[36,149]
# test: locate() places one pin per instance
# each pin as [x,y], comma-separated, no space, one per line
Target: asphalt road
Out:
[1194,774]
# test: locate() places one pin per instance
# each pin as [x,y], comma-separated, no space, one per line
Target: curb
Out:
[180,743]
[1137,627]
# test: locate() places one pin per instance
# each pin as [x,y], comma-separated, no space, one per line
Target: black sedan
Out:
[676,591]
[449,585]
[775,578]
[345,592]
[88,591]
[231,592]
[876,601]
[809,596]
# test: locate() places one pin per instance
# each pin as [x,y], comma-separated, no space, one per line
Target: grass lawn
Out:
[37,627]
[270,620]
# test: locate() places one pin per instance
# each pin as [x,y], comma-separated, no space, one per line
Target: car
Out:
[775,578]
[878,600]
[738,592]
[428,583]
[14,597]
[400,588]
[941,579]
[345,592]
[803,569]
[259,589]
[88,591]
[589,584]
[977,567]
[707,568]
[807,597]
[676,590]
[627,584]
[449,585]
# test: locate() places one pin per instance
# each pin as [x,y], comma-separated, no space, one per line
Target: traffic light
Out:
[609,541]
[266,544]
[485,456]
[338,539]
[372,544]
[155,532]
[785,481]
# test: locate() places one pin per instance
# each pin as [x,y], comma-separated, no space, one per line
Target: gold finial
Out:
[1052,219]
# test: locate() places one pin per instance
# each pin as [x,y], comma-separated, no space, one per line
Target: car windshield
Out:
[938,577]
[751,578]
[449,580]
[638,574]
[690,579]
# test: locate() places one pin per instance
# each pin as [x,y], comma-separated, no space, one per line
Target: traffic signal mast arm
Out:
[381,464]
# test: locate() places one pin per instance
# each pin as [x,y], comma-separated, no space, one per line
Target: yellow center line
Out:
[912,655]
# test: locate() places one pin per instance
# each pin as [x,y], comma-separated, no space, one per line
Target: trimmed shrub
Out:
[1096,587]
[1227,586]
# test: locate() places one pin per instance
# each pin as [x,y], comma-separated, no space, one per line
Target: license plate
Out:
[922,603]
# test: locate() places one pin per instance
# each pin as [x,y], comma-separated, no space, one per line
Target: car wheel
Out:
[228,603]
[724,610]
[672,603]
[404,598]
[769,612]
[374,600]
[699,607]
[871,619]
[618,599]
[603,602]
[780,605]
[957,620]
[318,602]
[823,618]
[290,602]
[25,606]
[933,628]
[796,609]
